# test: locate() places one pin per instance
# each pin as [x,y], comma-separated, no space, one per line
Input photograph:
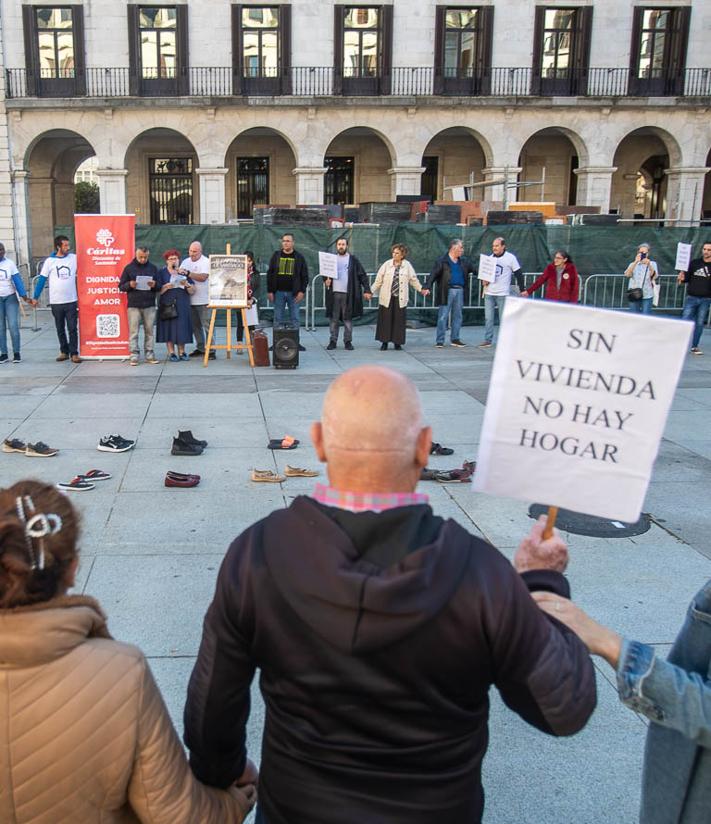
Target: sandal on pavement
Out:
[77,484]
[266,476]
[438,449]
[297,472]
[287,442]
[95,475]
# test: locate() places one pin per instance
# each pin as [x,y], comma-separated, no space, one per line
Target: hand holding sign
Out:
[487,268]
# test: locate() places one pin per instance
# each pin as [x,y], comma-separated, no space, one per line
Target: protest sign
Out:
[683,257]
[577,405]
[105,245]
[228,281]
[487,268]
[328,265]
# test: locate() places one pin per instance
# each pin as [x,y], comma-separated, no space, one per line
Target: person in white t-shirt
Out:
[198,267]
[507,267]
[11,290]
[60,270]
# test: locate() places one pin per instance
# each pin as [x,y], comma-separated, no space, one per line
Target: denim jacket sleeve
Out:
[665,693]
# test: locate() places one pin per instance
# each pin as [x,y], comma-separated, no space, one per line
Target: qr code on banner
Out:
[108,326]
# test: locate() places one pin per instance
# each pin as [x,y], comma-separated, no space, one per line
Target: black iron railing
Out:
[323,81]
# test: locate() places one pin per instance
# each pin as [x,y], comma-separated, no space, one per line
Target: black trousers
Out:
[66,316]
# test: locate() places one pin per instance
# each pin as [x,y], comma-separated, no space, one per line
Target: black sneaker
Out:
[114,443]
[349,346]
[457,342]
[16,358]
[3,359]
[332,345]
[197,353]
[212,356]
[184,448]
[188,437]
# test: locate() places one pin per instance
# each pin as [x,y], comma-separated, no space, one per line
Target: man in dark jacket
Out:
[451,276]
[378,628]
[139,280]
[344,295]
[287,281]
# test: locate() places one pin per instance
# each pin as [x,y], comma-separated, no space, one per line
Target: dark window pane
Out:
[54,18]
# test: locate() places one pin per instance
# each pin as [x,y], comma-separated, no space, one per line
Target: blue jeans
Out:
[455,301]
[643,307]
[491,304]
[10,317]
[696,309]
[282,301]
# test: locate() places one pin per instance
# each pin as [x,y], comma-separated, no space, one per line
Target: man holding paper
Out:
[697,278]
[139,280]
[497,286]
[344,294]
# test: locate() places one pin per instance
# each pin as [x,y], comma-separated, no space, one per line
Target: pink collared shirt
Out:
[366,501]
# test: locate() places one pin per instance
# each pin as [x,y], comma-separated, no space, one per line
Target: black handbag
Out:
[635,295]
[168,310]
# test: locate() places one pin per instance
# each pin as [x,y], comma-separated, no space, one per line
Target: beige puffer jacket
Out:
[86,737]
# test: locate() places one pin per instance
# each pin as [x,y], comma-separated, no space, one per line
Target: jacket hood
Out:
[40,633]
[353,604]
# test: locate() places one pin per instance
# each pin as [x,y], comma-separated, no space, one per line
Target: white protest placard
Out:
[328,265]
[577,405]
[487,268]
[683,257]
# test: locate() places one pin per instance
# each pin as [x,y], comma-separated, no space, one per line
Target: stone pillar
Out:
[405,180]
[595,186]
[685,192]
[309,184]
[22,226]
[40,199]
[212,195]
[499,191]
[112,191]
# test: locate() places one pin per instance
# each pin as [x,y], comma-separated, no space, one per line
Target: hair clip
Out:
[38,527]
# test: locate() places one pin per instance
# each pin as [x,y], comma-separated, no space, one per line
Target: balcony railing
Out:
[323,81]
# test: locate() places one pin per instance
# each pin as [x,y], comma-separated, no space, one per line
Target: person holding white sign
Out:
[642,273]
[139,280]
[495,291]
[698,294]
[344,294]
[392,282]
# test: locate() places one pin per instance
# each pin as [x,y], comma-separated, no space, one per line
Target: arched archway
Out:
[161,185]
[52,160]
[639,186]
[260,163]
[551,155]
[452,158]
[357,162]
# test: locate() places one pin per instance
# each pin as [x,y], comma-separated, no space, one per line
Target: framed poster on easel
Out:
[227,289]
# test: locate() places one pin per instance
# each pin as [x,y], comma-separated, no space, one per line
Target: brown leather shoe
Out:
[61,357]
[185,483]
[76,359]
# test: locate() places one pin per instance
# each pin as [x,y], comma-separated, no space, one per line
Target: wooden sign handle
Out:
[550,522]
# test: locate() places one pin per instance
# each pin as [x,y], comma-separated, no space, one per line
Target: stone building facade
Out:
[198,110]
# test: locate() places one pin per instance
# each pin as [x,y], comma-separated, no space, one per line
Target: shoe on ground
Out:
[331,345]
[212,356]
[297,472]
[133,362]
[454,476]
[696,351]
[174,358]
[428,474]
[439,346]
[266,476]
[197,353]
[76,359]
[487,344]
[190,450]
[398,347]
[78,484]
[16,358]
[13,445]
[188,437]
[40,450]
[95,475]
[152,359]
[114,443]
[186,482]
[383,346]
[3,359]
[457,342]
[181,476]
[302,348]
[62,356]
[349,346]
[438,449]
[184,357]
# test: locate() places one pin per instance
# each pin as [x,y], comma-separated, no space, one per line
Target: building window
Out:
[430,177]
[659,50]
[463,49]
[157,27]
[562,48]
[158,50]
[558,37]
[363,49]
[55,42]
[252,184]
[361,42]
[460,42]
[338,180]
[170,184]
[260,41]
[54,50]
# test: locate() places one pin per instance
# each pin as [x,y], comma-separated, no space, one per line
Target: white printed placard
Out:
[328,265]
[683,257]
[487,268]
[577,405]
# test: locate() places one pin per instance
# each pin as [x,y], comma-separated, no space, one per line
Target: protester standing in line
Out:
[60,270]
[698,294]
[253,284]
[139,280]
[198,267]
[344,295]
[560,279]
[175,290]
[393,283]
[287,282]
[450,275]
[495,293]
[642,274]
[11,290]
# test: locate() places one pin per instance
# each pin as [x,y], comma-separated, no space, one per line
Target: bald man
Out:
[379,629]
[197,266]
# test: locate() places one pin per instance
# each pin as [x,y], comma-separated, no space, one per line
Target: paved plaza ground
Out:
[151,554]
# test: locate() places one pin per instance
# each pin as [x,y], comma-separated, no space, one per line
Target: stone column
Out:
[112,191]
[212,195]
[405,180]
[22,226]
[595,186]
[499,191]
[40,203]
[685,192]
[309,184]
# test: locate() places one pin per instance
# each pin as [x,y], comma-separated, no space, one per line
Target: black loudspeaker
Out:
[286,348]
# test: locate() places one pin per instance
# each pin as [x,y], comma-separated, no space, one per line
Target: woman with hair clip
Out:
[86,735]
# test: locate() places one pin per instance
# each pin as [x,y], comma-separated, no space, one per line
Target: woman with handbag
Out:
[643,274]
[174,314]
[393,283]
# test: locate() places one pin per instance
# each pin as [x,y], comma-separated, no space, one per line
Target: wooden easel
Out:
[228,347]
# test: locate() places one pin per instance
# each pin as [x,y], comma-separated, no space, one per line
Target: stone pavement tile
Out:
[502,521]
[155,601]
[12,384]
[593,777]
[95,385]
[232,431]
[699,446]
[206,384]
[678,463]
[683,509]
[86,562]
[21,406]
[698,395]
[80,433]
[118,405]
[184,405]
[275,402]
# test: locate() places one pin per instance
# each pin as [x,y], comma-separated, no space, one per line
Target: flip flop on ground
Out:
[287,442]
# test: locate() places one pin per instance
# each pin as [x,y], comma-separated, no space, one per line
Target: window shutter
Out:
[338,20]
[134,51]
[79,58]
[538,27]
[440,25]
[486,40]
[386,49]
[182,54]
[677,52]
[236,50]
[285,48]
[581,60]
[31,50]
[637,20]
